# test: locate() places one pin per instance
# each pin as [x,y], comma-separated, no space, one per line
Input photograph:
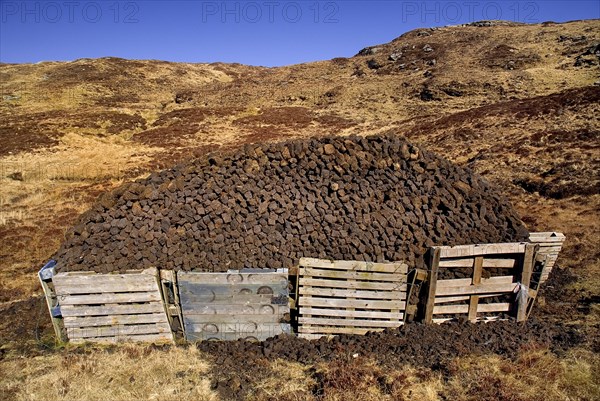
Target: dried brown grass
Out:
[130,372]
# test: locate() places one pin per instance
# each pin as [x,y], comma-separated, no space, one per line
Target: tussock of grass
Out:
[129,373]
[535,375]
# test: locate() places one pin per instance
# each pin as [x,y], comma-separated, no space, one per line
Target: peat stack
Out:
[267,205]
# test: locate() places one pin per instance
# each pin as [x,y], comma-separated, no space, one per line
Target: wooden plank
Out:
[118,280]
[347,322]
[352,293]
[349,313]
[461,282]
[359,285]
[110,298]
[434,262]
[353,275]
[239,318]
[51,301]
[234,278]
[110,309]
[92,321]
[220,290]
[528,261]
[480,249]
[154,338]
[474,301]
[93,288]
[226,309]
[476,289]
[442,300]
[351,303]
[117,331]
[553,236]
[352,265]
[451,309]
[235,335]
[190,300]
[508,263]
[336,330]
[246,328]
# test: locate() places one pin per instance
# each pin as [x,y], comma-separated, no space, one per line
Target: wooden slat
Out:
[110,309]
[442,299]
[90,281]
[476,289]
[92,288]
[117,331]
[161,337]
[235,335]
[351,313]
[359,285]
[450,309]
[190,303]
[351,303]
[461,282]
[220,290]
[91,321]
[226,309]
[110,298]
[480,249]
[351,265]
[234,319]
[474,301]
[347,322]
[335,330]
[353,275]
[242,328]
[352,293]
[233,278]
[487,263]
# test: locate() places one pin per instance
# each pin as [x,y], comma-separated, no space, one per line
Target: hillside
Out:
[518,104]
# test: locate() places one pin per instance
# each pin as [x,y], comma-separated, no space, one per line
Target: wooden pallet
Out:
[336,297]
[112,307]
[247,304]
[550,244]
[458,297]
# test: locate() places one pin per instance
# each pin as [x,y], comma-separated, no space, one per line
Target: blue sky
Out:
[269,33]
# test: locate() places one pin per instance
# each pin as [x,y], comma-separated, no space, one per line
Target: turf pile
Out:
[266,205]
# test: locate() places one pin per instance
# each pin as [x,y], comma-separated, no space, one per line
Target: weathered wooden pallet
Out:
[247,304]
[458,297]
[550,244]
[336,297]
[112,307]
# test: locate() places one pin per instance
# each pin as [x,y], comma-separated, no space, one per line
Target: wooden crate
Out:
[336,297]
[247,304]
[550,244]
[112,307]
[458,297]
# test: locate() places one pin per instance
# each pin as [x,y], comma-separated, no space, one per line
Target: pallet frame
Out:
[248,304]
[337,297]
[520,257]
[112,307]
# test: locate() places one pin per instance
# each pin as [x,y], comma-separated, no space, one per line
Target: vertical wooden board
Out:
[434,262]
[474,301]
[528,261]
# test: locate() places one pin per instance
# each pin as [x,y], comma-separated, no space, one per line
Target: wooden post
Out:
[51,299]
[474,301]
[528,260]
[434,262]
